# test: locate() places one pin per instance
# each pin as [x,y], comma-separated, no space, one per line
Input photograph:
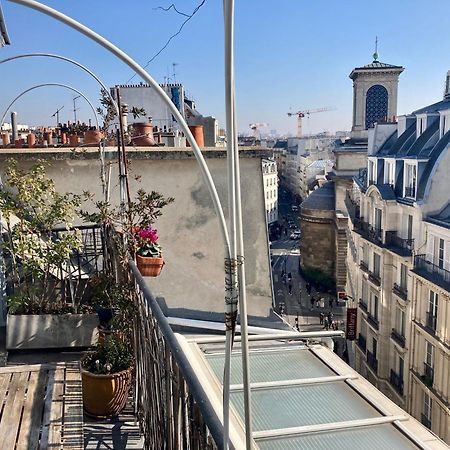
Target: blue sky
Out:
[290,54]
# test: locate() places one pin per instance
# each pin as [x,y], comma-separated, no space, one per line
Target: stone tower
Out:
[374,94]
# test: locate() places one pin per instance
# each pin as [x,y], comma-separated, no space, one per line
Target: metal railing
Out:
[352,205]
[371,320]
[428,375]
[364,266]
[362,342]
[425,421]
[431,322]
[398,337]
[432,272]
[400,291]
[172,406]
[372,361]
[403,247]
[363,305]
[397,381]
[375,278]
[410,191]
[369,232]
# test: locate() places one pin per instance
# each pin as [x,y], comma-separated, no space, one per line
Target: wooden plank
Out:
[24,368]
[9,425]
[56,409]
[73,409]
[4,383]
[47,408]
[32,412]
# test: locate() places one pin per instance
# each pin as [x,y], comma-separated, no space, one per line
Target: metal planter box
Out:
[50,331]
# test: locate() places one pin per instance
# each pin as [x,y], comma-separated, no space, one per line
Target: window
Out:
[389,172]
[410,180]
[429,358]
[374,347]
[403,276]
[372,172]
[376,264]
[376,104]
[373,306]
[378,217]
[433,303]
[400,322]
[441,254]
[364,291]
[427,409]
[401,367]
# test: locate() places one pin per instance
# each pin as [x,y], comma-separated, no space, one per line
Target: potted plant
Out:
[106,376]
[149,258]
[46,307]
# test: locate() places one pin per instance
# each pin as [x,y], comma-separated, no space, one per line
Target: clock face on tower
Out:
[376,105]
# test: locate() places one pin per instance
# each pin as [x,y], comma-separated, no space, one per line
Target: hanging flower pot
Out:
[149,266]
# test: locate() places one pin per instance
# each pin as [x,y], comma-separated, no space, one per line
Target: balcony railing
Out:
[373,321]
[364,266]
[428,375]
[362,342]
[375,278]
[398,337]
[367,231]
[432,272]
[397,381]
[431,322]
[410,191]
[363,305]
[400,291]
[352,205]
[402,247]
[426,421]
[372,361]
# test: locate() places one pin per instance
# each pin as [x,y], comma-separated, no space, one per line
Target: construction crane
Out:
[255,127]
[306,113]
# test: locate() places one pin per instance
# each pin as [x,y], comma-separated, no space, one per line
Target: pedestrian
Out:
[330,317]
[312,302]
[321,316]
[308,288]
[290,288]
[330,302]
[289,276]
[282,273]
[322,302]
[281,308]
[296,324]
[326,324]
[317,303]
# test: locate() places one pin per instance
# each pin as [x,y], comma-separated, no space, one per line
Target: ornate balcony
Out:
[372,361]
[397,382]
[402,247]
[431,322]
[400,291]
[373,321]
[361,342]
[367,231]
[362,305]
[398,337]
[428,375]
[432,272]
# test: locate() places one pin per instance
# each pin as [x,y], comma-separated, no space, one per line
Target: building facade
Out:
[270,182]
[398,266]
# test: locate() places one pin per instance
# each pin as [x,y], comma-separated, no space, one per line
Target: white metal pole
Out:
[51,84]
[146,77]
[232,137]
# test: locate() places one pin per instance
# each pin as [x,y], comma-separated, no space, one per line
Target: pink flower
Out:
[149,234]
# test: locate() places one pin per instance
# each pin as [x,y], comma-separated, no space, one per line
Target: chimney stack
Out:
[447,87]
[15,135]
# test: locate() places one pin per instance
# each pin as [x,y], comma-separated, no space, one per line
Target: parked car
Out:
[295,235]
[294,208]
[292,225]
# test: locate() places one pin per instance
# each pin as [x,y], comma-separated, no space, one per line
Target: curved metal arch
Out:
[52,84]
[71,61]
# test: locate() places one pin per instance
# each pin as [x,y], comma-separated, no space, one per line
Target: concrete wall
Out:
[192,281]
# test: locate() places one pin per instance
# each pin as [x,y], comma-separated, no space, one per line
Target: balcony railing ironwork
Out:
[428,375]
[431,322]
[432,272]
[397,381]
[398,337]
[352,206]
[375,278]
[373,321]
[400,291]
[403,247]
[367,231]
[362,342]
[372,361]
[426,421]
[410,191]
[363,305]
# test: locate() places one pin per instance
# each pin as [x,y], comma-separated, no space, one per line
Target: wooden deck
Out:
[41,407]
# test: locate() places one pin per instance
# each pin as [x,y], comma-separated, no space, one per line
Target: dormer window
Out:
[421,124]
[389,172]
[444,123]
[410,180]
[372,171]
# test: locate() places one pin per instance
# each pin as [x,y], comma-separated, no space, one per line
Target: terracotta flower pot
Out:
[149,266]
[105,395]
[92,137]
[143,134]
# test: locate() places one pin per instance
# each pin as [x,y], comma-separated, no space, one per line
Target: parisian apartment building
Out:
[270,181]
[398,263]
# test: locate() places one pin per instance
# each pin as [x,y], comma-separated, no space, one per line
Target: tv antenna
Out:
[174,65]
[75,109]
[57,115]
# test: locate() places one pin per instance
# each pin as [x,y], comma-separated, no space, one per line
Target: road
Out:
[286,260]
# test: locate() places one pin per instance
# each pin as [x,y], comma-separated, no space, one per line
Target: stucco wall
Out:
[193,277]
